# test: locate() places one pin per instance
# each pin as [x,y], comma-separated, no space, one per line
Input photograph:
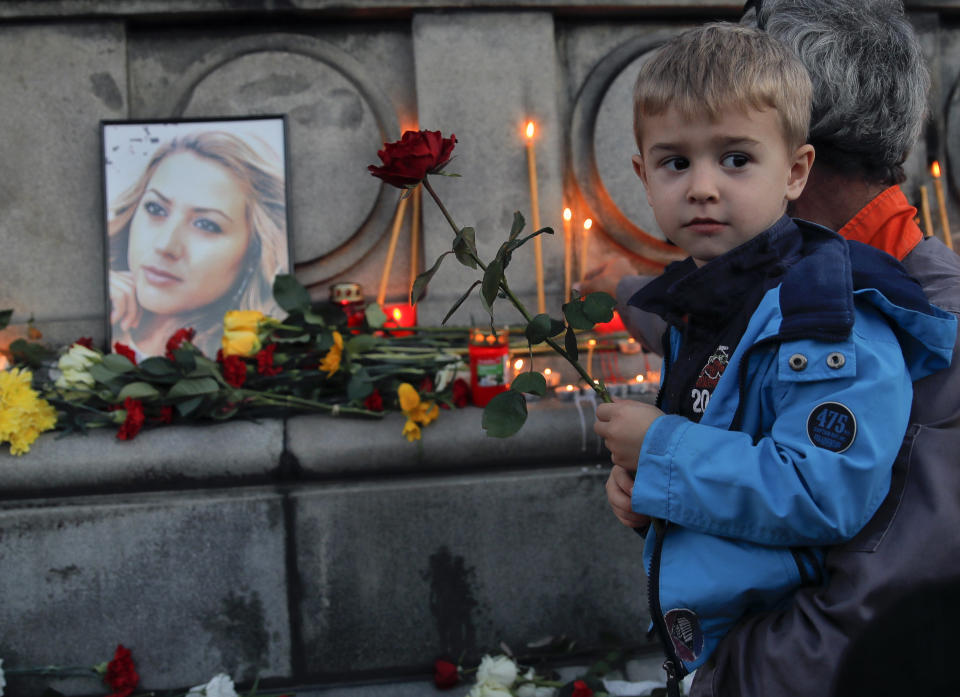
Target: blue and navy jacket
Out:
[794,449]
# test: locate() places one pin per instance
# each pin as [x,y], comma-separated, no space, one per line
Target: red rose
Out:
[445,674]
[426,385]
[179,336]
[374,402]
[580,689]
[134,421]
[125,350]
[234,371]
[85,341]
[461,393]
[417,154]
[265,364]
[166,414]
[121,674]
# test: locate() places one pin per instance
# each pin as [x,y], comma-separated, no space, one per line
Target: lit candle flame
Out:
[569,388]
[530,129]
[567,214]
[935,169]
[639,378]
[518,364]
[547,371]
[592,342]
[397,315]
[588,223]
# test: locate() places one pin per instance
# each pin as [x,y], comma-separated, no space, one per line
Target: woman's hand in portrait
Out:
[125,310]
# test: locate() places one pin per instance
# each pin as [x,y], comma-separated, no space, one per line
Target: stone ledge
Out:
[238,450]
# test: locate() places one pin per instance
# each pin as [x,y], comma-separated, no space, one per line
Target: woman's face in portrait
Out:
[188,236]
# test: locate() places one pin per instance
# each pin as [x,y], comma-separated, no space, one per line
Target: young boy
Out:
[786,382]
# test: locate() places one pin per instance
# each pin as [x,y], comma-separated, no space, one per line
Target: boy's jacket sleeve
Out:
[783,489]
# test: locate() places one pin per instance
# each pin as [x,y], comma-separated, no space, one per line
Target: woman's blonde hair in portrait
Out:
[256,167]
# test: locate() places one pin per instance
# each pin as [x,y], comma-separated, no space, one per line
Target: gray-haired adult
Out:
[870,98]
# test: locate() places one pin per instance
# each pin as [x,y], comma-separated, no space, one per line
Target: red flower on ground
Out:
[125,350]
[580,689]
[265,364]
[175,341]
[166,414]
[418,153]
[121,674]
[445,674]
[134,421]
[461,393]
[234,370]
[426,385]
[374,401]
[85,341]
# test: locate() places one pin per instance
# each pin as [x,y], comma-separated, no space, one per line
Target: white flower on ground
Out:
[74,368]
[497,671]
[219,686]
[531,690]
[489,689]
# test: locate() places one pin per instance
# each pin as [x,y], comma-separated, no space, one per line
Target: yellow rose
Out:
[416,410]
[241,332]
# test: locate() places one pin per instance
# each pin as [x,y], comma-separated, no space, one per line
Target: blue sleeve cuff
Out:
[651,488]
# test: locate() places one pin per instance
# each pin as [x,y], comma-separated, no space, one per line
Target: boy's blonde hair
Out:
[722,65]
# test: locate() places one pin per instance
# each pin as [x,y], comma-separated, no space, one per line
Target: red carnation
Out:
[121,674]
[418,153]
[426,385]
[166,414]
[580,689]
[125,350]
[461,393]
[179,336]
[445,674]
[374,401]
[234,370]
[134,421]
[265,365]
[85,341]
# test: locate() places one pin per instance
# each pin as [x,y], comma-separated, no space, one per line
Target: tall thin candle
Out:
[535,214]
[391,250]
[925,212]
[941,204]
[567,252]
[584,239]
[415,236]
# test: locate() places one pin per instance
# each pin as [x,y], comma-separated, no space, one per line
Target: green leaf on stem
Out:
[598,307]
[23,351]
[459,302]
[192,387]
[289,294]
[505,414]
[518,223]
[185,359]
[189,406]
[138,390]
[311,317]
[206,368]
[570,344]
[420,284]
[541,231]
[5,316]
[375,315]
[491,284]
[360,385]
[116,363]
[541,328]
[158,367]
[574,314]
[465,247]
[530,382]
[101,373]
[361,343]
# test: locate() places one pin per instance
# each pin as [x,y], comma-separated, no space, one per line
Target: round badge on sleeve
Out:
[832,426]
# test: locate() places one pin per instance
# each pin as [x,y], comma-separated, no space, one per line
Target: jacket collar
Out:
[886,223]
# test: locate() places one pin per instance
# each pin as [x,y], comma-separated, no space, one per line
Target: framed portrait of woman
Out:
[196,225]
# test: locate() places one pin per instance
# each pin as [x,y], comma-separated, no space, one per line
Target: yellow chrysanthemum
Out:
[331,362]
[411,431]
[23,414]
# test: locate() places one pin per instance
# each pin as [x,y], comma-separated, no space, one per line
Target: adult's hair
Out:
[257,169]
[869,78]
[722,65]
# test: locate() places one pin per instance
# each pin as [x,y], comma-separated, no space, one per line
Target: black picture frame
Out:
[196,223]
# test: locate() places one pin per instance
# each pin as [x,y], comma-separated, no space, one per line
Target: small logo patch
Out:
[831,426]
[684,629]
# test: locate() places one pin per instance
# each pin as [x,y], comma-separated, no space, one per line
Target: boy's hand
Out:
[619,489]
[623,426]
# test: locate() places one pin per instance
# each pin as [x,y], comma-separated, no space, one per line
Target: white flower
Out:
[220,685]
[3,682]
[531,690]
[498,671]
[489,689]
[74,368]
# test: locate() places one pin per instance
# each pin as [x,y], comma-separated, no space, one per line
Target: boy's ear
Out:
[639,168]
[799,171]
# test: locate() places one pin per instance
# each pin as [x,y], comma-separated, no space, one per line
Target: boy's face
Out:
[713,185]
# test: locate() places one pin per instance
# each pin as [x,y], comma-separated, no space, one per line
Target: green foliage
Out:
[30,353]
[465,247]
[505,414]
[290,295]
[420,282]
[531,383]
[5,316]
[541,328]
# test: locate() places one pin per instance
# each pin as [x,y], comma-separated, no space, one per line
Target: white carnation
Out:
[498,671]
[219,686]
[488,689]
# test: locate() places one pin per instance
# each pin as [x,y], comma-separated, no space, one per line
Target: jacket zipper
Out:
[672,665]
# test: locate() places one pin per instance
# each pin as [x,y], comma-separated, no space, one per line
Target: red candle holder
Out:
[614,325]
[349,296]
[400,315]
[489,365]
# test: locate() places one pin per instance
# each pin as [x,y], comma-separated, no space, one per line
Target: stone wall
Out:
[314,548]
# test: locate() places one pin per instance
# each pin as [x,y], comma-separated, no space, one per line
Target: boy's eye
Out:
[736,159]
[676,164]
[207,225]
[155,209]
